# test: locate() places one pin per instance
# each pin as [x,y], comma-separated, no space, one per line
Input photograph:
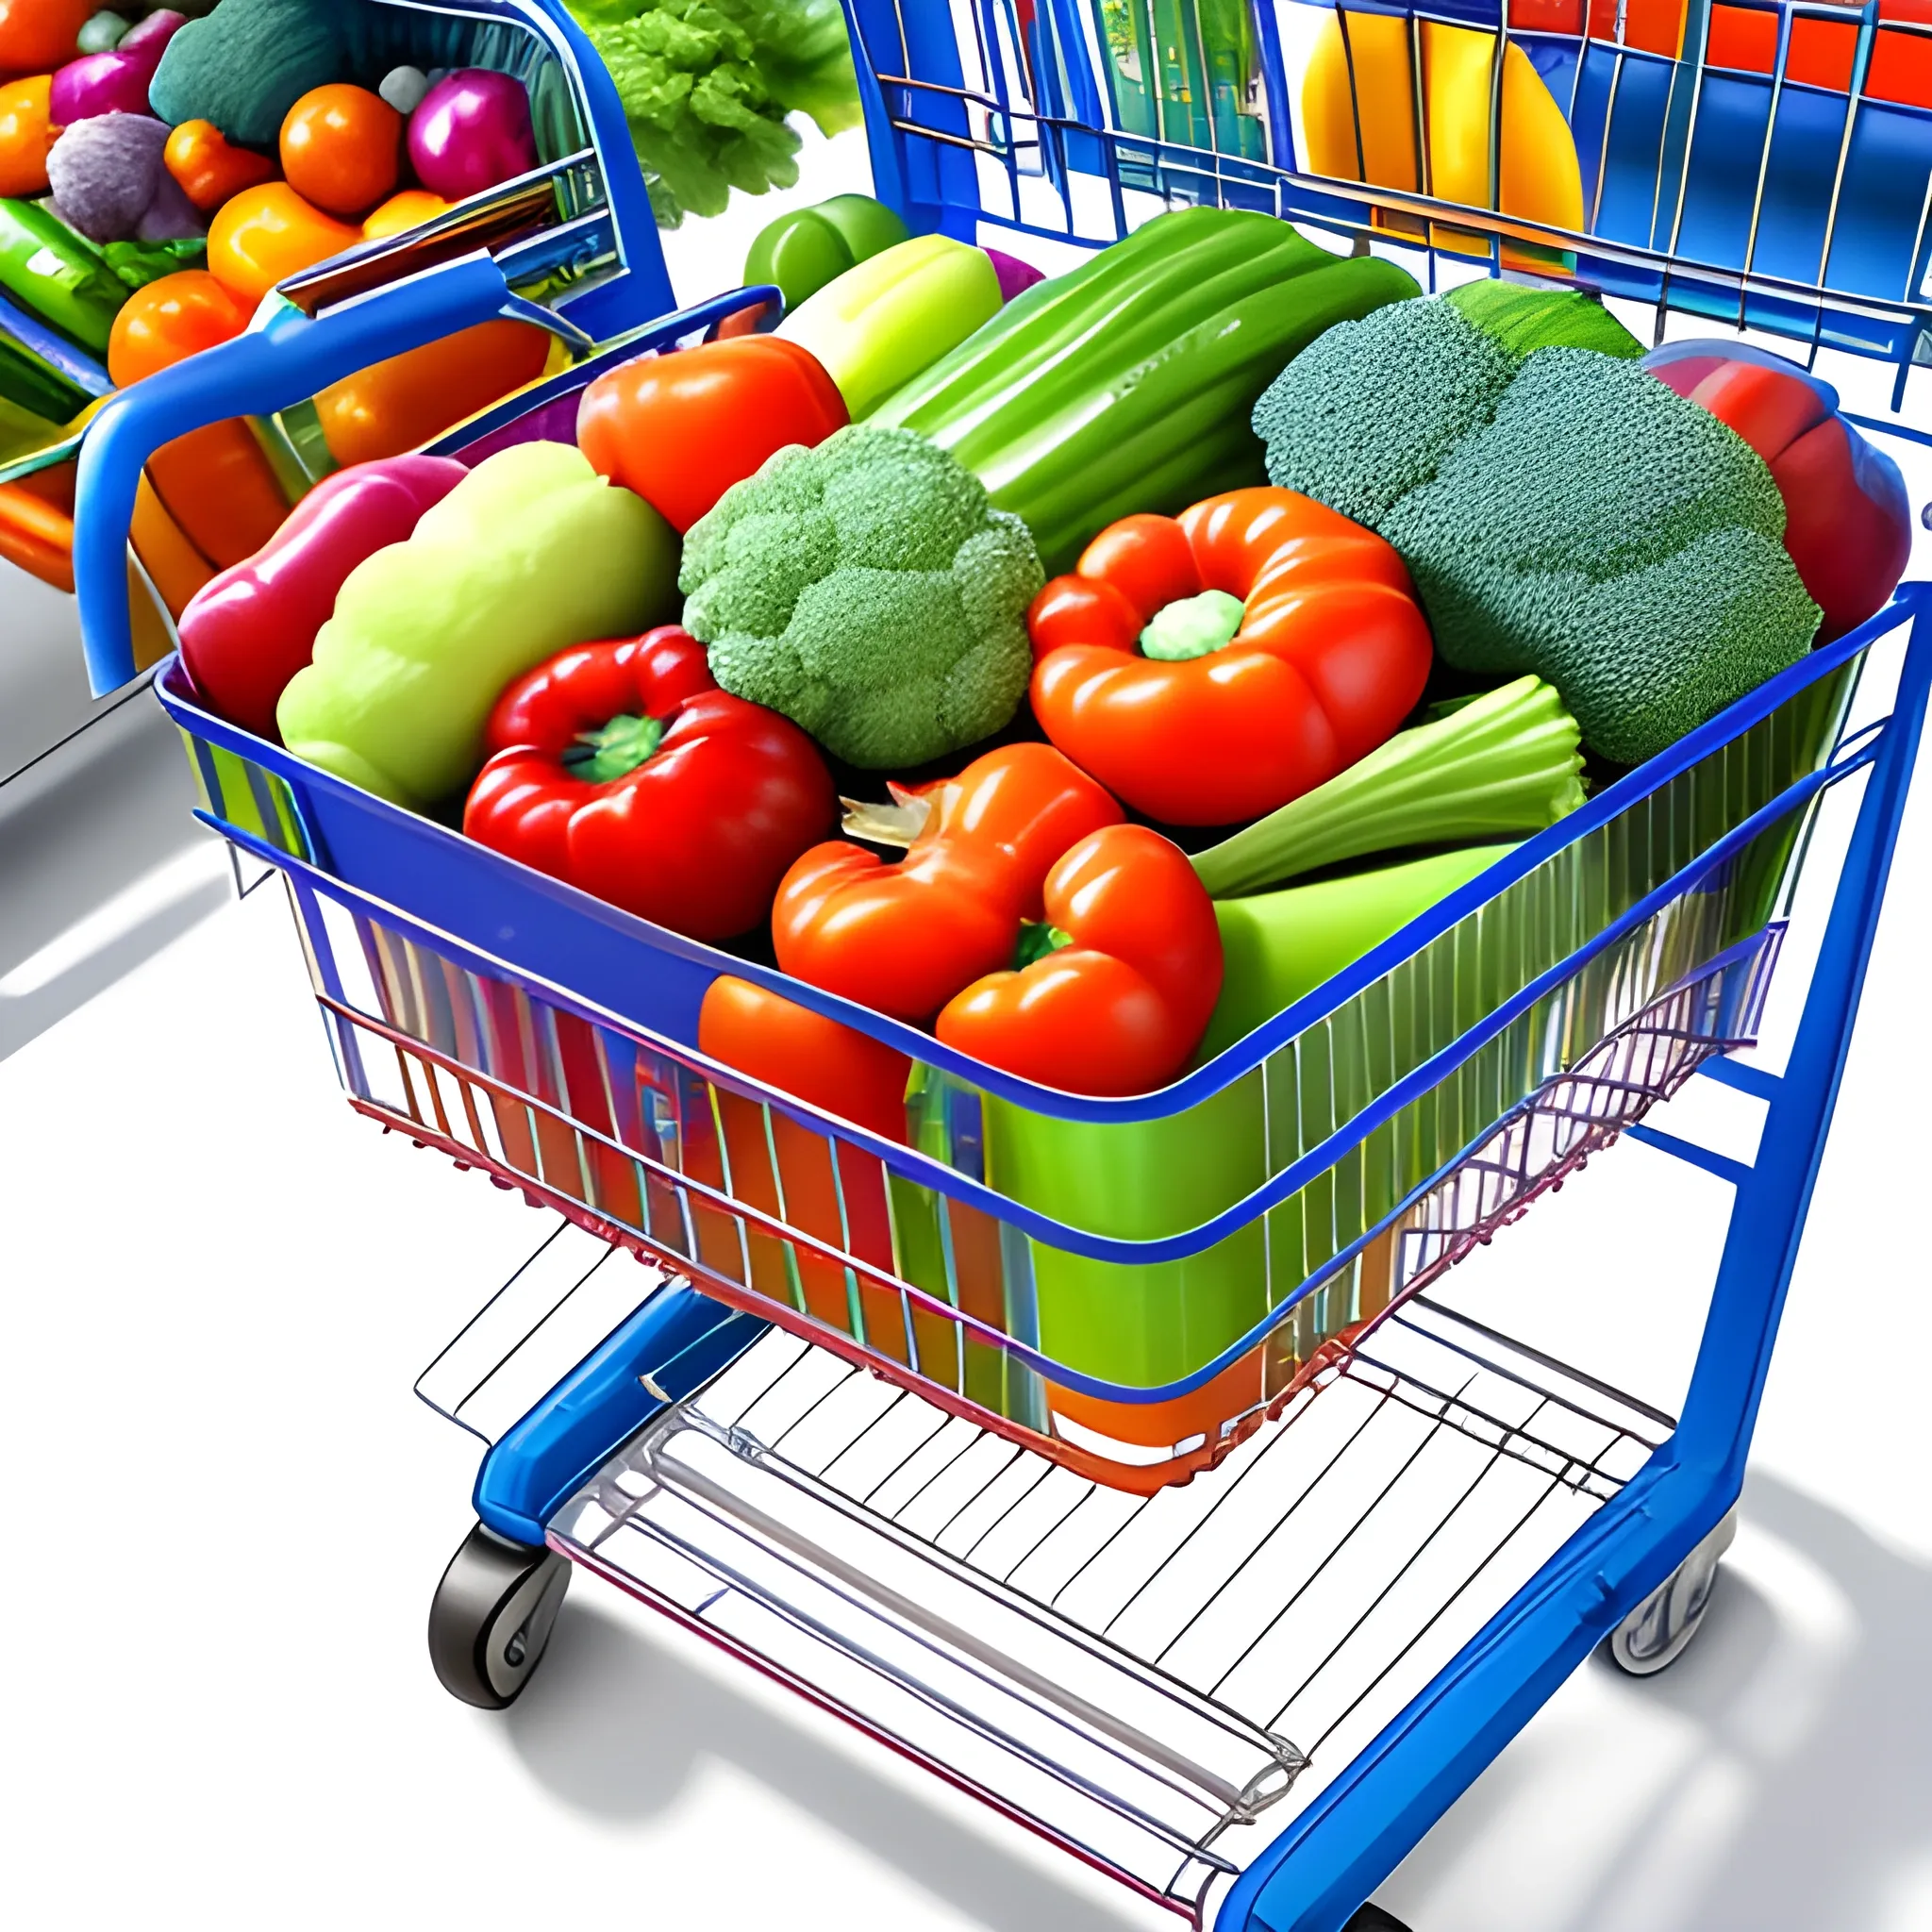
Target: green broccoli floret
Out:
[1369,408]
[868,589]
[1585,525]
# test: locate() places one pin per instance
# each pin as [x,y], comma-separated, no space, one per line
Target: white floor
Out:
[229,1514]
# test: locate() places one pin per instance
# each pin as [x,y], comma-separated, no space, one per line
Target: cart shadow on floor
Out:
[1791,1788]
[617,1726]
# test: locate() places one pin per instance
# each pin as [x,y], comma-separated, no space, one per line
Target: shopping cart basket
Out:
[1239,1634]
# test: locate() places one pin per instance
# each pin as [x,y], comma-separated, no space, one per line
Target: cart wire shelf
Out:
[1141,1679]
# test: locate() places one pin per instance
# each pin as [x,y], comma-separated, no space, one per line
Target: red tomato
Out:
[680,429]
[169,320]
[25,137]
[341,148]
[267,234]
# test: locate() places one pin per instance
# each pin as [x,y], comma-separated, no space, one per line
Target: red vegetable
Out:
[250,630]
[620,768]
[472,131]
[802,1052]
[1307,651]
[903,938]
[680,429]
[1125,991]
[1848,521]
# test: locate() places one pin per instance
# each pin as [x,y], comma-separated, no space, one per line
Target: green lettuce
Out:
[706,84]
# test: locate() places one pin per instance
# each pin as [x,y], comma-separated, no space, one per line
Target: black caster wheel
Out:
[1372,1918]
[491,1617]
[1658,1631]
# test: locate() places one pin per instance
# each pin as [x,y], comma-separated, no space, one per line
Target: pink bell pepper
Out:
[248,633]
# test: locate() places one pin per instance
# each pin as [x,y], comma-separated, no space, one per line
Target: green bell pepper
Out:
[802,251]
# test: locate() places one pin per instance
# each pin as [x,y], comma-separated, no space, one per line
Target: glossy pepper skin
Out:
[250,630]
[904,938]
[681,428]
[1331,654]
[1848,519]
[620,768]
[1121,1007]
[802,1052]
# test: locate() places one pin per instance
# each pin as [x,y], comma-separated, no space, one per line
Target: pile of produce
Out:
[1056,578]
[160,174]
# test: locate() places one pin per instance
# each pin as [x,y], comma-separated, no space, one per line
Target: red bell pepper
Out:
[682,428]
[1848,519]
[248,633]
[802,1052]
[623,769]
[1049,939]
[1124,989]
[1209,667]
[904,938]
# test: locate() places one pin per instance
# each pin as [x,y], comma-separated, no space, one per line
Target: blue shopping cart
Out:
[1242,1667]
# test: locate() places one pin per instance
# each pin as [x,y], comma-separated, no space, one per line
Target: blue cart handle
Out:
[282,360]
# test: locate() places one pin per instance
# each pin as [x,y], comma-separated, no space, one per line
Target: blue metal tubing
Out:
[287,360]
[1359,1828]
[670,1348]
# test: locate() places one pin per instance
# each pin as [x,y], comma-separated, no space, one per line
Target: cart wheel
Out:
[491,1617]
[1660,1628]
[1372,1918]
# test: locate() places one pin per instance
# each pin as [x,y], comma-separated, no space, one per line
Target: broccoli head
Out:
[868,589]
[1561,513]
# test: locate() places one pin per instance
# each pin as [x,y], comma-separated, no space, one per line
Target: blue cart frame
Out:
[1034,107]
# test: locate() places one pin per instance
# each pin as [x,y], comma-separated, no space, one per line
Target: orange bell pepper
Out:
[219,488]
[1209,667]
[174,566]
[401,404]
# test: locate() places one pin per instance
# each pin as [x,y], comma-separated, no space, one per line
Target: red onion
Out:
[110,83]
[471,132]
[152,35]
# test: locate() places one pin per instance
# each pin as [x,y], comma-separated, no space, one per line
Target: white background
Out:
[228,1514]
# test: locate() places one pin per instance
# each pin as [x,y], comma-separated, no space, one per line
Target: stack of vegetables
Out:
[158,175]
[1344,574]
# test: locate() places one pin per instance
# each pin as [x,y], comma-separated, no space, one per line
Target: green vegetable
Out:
[707,84]
[879,323]
[1192,626]
[1275,947]
[865,589]
[531,553]
[51,271]
[248,63]
[28,383]
[1523,320]
[801,252]
[137,264]
[1568,515]
[1127,384]
[1504,762]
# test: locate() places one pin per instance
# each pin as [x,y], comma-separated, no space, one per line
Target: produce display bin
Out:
[987,1441]
[573,241]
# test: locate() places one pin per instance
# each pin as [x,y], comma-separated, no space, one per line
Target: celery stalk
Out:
[1505,763]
